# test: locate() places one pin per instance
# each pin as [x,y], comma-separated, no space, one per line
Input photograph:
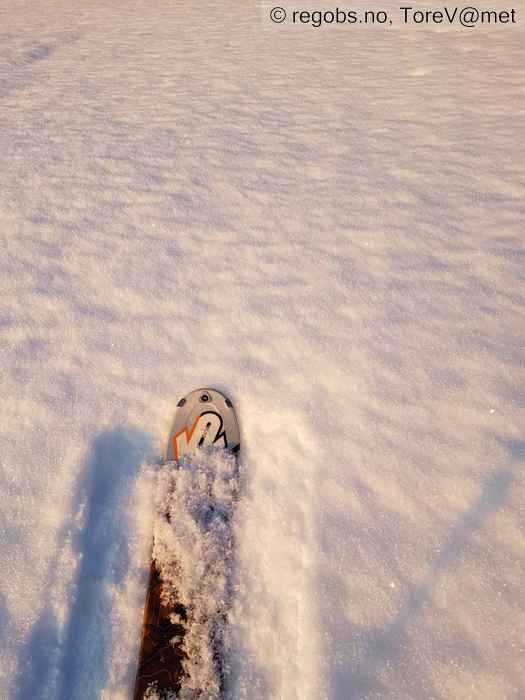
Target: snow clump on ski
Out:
[193,551]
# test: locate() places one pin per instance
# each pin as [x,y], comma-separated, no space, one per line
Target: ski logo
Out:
[207,430]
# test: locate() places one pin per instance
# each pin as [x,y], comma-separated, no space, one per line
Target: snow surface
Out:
[327,225]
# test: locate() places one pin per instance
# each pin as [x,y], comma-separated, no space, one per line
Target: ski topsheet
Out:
[181,654]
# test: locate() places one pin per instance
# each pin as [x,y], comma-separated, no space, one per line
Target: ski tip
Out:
[207,395]
[204,417]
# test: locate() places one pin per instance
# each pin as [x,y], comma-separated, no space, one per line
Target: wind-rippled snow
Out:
[327,225]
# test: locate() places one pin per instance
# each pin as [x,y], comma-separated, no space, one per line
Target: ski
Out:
[185,614]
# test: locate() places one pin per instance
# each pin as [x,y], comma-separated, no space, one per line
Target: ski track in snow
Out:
[327,225]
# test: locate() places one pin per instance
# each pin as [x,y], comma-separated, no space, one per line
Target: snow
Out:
[327,225]
[193,550]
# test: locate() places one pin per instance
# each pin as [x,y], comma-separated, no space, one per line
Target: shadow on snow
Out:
[383,647]
[76,666]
